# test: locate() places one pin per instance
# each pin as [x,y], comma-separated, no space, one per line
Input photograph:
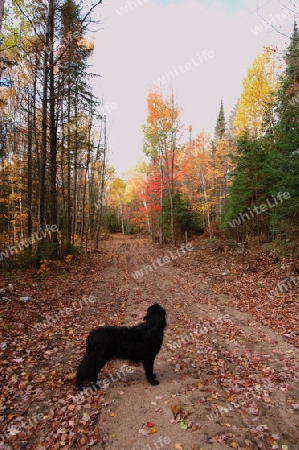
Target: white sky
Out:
[136,48]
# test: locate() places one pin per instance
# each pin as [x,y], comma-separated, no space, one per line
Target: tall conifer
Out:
[220,125]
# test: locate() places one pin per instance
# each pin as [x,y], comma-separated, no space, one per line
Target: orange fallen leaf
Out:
[175,410]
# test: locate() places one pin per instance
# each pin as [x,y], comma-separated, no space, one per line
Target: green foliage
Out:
[185,218]
[283,160]
[44,251]
[268,166]
[32,256]
[249,187]
[220,125]
[111,221]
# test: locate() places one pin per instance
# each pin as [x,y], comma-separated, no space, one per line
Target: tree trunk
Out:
[29,168]
[103,175]
[85,184]
[53,131]
[74,227]
[1,14]
[68,194]
[43,158]
[161,231]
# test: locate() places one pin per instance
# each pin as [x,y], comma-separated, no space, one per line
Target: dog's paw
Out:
[154,382]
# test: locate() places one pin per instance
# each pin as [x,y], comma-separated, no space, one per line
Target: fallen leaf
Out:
[175,410]
[178,447]
[149,424]
[143,431]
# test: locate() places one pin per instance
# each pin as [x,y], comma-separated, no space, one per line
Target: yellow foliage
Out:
[117,190]
[43,267]
[15,196]
[88,44]
[257,97]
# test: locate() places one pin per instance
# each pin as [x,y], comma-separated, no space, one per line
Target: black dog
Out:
[140,343]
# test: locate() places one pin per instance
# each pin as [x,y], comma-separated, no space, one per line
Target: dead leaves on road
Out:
[234,372]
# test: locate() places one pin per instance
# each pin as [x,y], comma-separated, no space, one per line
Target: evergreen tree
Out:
[249,188]
[220,125]
[220,149]
[283,160]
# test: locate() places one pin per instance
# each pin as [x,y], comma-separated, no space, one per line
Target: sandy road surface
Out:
[225,380]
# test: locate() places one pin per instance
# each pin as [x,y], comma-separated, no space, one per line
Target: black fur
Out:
[140,343]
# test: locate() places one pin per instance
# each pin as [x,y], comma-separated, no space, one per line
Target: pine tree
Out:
[220,162]
[220,125]
[287,127]
[249,188]
[283,161]
[251,185]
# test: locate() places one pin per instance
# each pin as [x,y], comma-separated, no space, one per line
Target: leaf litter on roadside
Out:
[235,381]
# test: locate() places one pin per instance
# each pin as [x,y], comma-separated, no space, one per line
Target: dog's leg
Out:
[83,371]
[148,365]
[88,370]
[80,377]
[93,375]
[98,362]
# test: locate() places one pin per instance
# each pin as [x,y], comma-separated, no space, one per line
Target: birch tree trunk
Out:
[1,14]
[102,186]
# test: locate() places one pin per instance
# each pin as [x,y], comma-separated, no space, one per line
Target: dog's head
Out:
[156,313]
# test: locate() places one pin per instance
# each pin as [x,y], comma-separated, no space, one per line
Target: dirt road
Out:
[226,381]
[228,367]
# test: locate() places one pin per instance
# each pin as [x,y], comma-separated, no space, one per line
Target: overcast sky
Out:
[201,49]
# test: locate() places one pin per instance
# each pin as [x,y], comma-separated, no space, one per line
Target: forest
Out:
[242,181]
[204,228]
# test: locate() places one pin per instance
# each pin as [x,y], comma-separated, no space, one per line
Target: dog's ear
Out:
[155,310]
[147,316]
[150,311]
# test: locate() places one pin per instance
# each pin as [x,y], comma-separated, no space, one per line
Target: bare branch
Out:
[90,11]
[269,23]
[29,20]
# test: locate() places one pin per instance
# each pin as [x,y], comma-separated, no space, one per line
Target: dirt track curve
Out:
[225,380]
